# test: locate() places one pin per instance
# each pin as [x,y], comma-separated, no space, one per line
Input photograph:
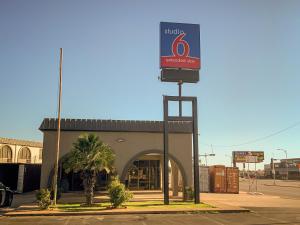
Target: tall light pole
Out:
[58,131]
[205,155]
[286,163]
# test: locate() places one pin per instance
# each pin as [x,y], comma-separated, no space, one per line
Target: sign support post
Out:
[179,94]
[196,152]
[166,152]
[194,120]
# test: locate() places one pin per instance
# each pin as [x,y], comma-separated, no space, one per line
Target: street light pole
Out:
[205,155]
[58,131]
[286,162]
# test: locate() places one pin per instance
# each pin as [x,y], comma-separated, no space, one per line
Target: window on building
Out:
[24,155]
[5,154]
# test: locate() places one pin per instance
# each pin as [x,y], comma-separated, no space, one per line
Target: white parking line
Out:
[67,220]
[213,220]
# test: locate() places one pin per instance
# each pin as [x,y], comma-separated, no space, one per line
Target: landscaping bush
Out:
[118,194]
[43,198]
[189,193]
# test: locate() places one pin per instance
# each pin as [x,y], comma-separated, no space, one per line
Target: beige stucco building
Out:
[20,164]
[138,146]
[20,151]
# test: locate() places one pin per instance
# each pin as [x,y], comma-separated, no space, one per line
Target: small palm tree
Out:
[89,156]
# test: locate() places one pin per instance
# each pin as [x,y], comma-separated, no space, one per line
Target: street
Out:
[277,205]
[290,191]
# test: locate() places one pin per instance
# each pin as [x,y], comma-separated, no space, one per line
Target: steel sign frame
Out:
[194,120]
[180,46]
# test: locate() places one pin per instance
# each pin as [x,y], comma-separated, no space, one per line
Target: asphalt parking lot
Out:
[190,219]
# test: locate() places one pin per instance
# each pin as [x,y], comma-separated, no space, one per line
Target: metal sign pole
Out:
[196,153]
[194,120]
[179,94]
[166,152]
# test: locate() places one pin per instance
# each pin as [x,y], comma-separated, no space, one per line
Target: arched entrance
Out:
[144,172]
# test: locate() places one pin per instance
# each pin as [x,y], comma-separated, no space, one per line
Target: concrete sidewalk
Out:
[31,209]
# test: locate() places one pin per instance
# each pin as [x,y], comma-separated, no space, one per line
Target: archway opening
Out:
[145,172]
[6,154]
[24,155]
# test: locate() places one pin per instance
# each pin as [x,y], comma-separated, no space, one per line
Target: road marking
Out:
[100,218]
[68,220]
[144,223]
[213,220]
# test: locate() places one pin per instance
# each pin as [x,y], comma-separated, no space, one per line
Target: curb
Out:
[91,213]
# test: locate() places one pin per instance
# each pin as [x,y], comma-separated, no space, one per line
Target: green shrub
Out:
[43,198]
[189,193]
[118,194]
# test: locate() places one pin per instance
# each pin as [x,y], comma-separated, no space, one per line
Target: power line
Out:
[257,139]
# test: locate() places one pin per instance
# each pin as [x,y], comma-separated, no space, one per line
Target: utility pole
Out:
[58,130]
[205,156]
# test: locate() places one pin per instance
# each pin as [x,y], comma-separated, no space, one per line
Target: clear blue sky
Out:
[249,85]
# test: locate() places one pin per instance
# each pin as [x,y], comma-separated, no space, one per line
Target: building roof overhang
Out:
[50,124]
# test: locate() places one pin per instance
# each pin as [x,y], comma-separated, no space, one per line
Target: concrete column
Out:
[174,178]
[14,159]
[161,165]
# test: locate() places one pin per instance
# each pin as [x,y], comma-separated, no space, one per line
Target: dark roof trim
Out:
[50,124]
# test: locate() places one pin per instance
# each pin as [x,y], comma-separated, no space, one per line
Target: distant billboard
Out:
[180,45]
[248,156]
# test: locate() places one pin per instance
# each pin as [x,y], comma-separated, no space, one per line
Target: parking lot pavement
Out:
[190,219]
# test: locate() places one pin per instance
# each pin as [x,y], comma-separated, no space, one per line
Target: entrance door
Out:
[144,175]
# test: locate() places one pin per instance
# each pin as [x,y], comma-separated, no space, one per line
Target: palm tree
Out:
[89,156]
